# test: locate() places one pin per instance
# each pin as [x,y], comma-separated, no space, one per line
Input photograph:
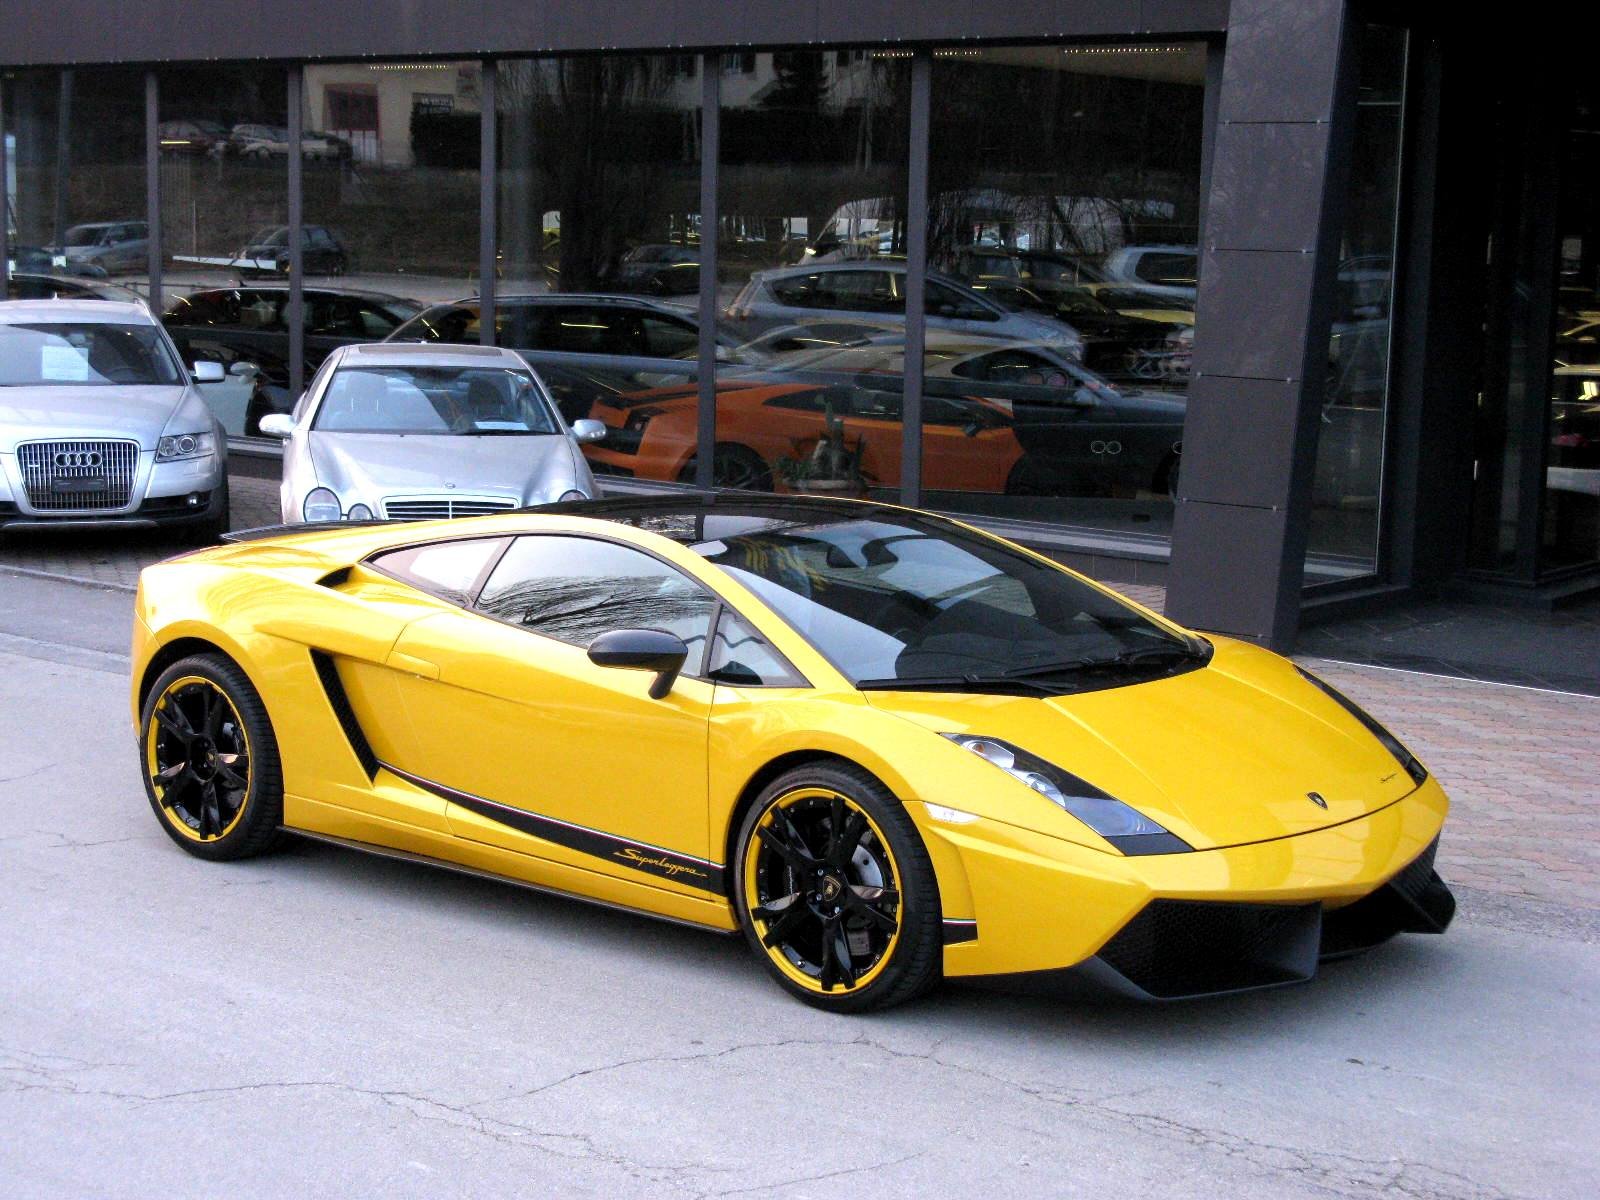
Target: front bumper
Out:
[182,492]
[1190,924]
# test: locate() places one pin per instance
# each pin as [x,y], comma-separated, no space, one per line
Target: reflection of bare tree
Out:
[578,609]
[598,141]
[1099,161]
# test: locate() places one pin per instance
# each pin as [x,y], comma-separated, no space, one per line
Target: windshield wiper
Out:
[970,682]
[1127,658]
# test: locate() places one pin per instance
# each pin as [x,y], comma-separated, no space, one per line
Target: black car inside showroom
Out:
[1292,310]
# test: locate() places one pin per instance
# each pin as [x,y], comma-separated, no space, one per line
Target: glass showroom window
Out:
[76,223]
[392,178]
[224,199]
[811,274]
[1346,498]
[599,235]
[1064,191]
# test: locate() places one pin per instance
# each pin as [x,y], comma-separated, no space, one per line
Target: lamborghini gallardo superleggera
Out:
[884,746]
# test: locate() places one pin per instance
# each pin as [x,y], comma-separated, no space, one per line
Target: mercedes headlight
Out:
[177,446]
[1125,828]
[321,505]
[1404,757]
[572,494]
[358,512]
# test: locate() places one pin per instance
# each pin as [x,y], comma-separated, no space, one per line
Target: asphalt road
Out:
[322,1023]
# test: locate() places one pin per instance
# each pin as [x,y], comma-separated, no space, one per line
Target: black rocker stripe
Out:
[959,931]
[640,856]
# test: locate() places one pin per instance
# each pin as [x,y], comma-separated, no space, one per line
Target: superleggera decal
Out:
[640,856]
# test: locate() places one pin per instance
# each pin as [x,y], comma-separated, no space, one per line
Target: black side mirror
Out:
[642,650]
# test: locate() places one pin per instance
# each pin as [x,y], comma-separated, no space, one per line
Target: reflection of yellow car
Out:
[883,745]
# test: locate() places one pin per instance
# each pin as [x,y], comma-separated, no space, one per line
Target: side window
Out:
[741,656]
[798,291]
[448,570]
[944,301]
[864,291]
[664,338]
[574,589]
[1170,269]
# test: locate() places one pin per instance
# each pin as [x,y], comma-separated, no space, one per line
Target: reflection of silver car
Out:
[99,423]
[408,432]
[854,290]
[110,245]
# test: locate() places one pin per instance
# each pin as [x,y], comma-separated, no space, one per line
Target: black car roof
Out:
[684,517]
[352,293]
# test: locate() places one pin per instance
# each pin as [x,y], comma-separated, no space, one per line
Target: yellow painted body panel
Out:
[517,723]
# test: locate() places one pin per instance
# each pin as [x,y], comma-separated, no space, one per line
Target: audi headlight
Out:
[1404,757]
[1125,828]
[321,505]
[358,512]
[185,445]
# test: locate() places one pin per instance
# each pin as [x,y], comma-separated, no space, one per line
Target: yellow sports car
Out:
[884,745]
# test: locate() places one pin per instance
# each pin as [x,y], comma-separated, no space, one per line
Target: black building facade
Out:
[1292,307]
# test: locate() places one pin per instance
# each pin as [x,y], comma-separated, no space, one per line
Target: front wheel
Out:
[835,891]
[210,760]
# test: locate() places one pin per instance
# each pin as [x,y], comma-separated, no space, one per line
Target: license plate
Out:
[86,483]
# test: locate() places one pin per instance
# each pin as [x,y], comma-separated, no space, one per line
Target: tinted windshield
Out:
[479,401]
[85,235]
[923,601]
[83,355]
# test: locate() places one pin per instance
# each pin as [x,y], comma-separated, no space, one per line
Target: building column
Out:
[1272,225]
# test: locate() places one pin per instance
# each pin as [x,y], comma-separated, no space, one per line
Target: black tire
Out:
[1030,477]
[1166,481]
[256,827]
[733,466]
[912,963]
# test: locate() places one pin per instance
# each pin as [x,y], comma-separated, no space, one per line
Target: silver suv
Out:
[100,422]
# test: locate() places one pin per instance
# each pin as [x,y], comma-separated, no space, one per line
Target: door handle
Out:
[413,665]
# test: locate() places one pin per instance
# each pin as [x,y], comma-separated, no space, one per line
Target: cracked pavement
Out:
[324,1023]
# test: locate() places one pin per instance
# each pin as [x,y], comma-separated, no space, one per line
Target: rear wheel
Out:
[210,760]
[835,891]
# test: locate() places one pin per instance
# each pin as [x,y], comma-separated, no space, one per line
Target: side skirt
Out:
[426,860]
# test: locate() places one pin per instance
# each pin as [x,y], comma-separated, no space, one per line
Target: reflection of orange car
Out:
[967,445]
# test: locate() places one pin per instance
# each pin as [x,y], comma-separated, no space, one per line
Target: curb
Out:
[59,577]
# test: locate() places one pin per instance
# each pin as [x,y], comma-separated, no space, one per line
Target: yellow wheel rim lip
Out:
[152,767]
[752,900]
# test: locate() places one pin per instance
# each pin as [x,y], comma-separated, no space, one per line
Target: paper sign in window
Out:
[63,364]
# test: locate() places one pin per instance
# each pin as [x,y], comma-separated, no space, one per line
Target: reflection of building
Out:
[375,106]
[1315,212]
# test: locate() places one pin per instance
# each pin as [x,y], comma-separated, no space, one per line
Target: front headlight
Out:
[1404,757]
[572,494]
[321,505]
[185,445]
[1125,828]
[358,512]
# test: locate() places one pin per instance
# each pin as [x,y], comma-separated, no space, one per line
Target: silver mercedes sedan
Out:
[416,433]
[100,422]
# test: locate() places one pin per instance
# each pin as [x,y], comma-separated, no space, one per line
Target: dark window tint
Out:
[944,301]
[741,656]
[1173,269]
[575,589]
[666,338]
[448,570]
